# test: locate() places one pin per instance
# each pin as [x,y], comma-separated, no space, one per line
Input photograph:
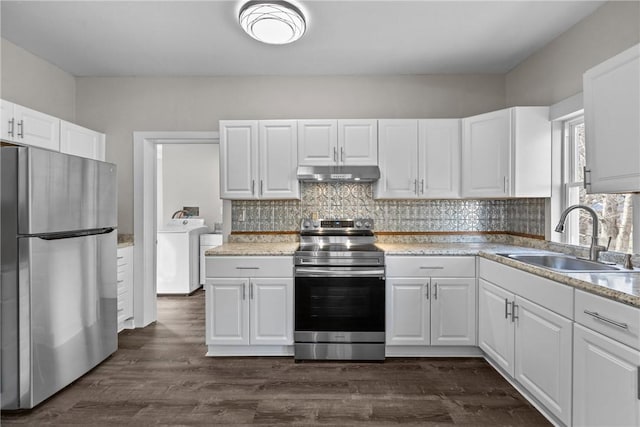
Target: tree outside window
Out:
[614,210]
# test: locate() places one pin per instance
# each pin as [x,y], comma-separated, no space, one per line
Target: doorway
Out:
[145,215]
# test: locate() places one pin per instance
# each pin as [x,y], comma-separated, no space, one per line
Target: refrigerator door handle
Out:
[68,235]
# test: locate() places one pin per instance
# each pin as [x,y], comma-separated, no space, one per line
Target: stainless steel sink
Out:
[563,263]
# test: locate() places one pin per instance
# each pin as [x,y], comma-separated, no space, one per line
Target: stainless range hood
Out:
[338,173]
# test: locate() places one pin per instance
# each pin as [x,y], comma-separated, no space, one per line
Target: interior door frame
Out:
[144,215]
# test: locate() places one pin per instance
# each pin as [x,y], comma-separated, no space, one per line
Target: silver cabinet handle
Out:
[598,316]
[247,268]
[244,291]
[426,267]
[12,124]
[506,308]
[342,154]
[335,154]
[21,129]
[422,186]
[435,291]
[415,186]
[427,293]
[513,311]
[251,291]
[585,182]
[253,186]
[261,187]
[504,184]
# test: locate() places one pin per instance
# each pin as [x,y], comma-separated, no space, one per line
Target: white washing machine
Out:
[207,241]
[178,260]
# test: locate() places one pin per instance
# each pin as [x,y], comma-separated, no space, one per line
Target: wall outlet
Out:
[242,215]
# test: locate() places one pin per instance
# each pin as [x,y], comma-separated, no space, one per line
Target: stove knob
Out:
[306,223]
[358,224]
[316,224]
[367,224]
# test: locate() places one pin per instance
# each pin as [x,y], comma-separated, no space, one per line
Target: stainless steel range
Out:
[339,291]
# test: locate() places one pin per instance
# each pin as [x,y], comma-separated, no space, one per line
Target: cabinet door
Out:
[358,142]
[227,313]
[543,356]
[36,129]
[7,121]
[278,160]
[612,128]
[439,158]
[271,311]
[81,141]
[495,326]
[408,311]
[125,284]
[605,381]
[486,153]
[238,159]
[398,148]
[317,142]
[453,311]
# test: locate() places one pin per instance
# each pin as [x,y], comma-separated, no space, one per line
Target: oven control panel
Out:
[337,224]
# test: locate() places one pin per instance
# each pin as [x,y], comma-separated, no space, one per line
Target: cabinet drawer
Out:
[431,266]
[547,293]
[615,320]
[249,266]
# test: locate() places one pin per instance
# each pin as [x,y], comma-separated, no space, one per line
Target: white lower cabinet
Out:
[606,363]
[125,287]
[529,342]
[249,315]
[425,310]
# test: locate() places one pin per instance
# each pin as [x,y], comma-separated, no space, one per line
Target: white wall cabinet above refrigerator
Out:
[81,141]
[419,159]
[25,126]
[612,128]
[507,153]
[258,159]
[347,142]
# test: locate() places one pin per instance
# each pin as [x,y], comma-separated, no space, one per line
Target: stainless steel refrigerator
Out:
[58,271]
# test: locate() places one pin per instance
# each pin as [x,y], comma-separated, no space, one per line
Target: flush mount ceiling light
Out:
[272,22]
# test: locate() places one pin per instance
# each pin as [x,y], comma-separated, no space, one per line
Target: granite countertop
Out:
[125,240]
[254,249]
[619,286]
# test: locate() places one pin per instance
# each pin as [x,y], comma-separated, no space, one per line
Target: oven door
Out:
[339,304]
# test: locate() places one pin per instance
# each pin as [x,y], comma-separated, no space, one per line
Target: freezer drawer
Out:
[67,311]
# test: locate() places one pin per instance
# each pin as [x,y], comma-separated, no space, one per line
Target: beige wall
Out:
[120,106]
[191,178]
[35,83]
[555,72]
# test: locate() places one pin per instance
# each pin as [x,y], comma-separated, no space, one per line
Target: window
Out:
[614,210]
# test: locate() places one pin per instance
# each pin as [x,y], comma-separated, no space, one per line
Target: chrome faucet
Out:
[182,213]
[594,249]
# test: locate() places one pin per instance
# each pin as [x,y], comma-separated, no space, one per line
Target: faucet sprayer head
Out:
[560,228]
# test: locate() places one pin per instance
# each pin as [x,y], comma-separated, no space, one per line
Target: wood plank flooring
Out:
[160,376]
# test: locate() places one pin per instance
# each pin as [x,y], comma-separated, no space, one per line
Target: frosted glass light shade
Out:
[272,22]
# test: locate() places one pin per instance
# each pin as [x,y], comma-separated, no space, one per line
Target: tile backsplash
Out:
[348,200]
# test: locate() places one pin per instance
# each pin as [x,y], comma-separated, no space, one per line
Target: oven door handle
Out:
[328,272]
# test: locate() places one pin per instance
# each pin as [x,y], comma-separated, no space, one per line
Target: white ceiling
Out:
[203,38]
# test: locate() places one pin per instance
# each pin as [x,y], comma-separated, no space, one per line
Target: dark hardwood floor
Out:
[160,375]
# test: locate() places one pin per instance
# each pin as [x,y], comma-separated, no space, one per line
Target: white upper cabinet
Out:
[507,153]
[439,158]
[258,159]
[29,127]
[612,128]
[398,147]
[338,142]
[81,141]
[419,159]
[238,159]
[278,159]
